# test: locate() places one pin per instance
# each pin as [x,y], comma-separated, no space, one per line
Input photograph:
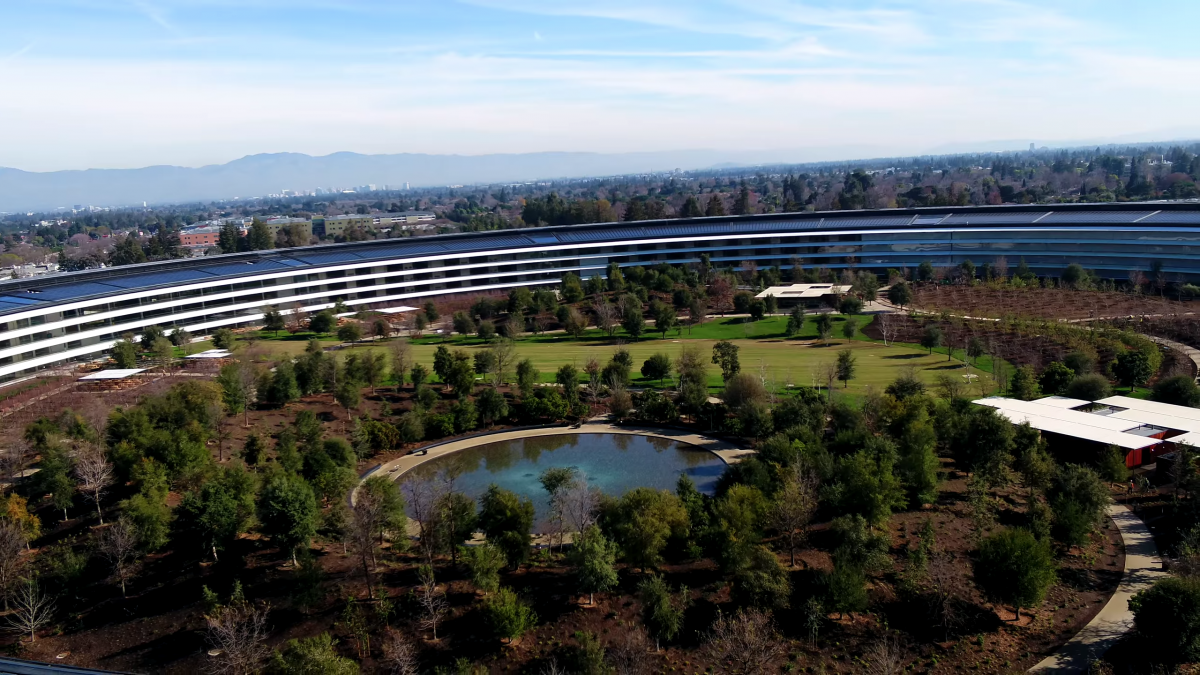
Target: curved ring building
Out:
[54,319]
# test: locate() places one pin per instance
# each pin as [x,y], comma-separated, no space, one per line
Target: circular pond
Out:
[612,463]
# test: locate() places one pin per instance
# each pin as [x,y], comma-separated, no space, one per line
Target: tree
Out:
[725,355]
[223,338]
[1055,378]
[1015,568]
[259,236]
[1132,368]
[124,353]
[273,320]
[975,350]
[850,305]
[761,581]
[432,600]
[1167,619]
[220,510]
[288,511]
[1177,390]
[715,206]
[572,290]
[1078,499]
[664,317]
[900,294]
[846,364]
[322,322]
[491,406]
[643,520]
[594,558]
[94,475]
[747,639]
[793,508]
[282,387]
[568,378]
[483,565]
[119,545]
[508,615]
[349,332]
[657,367]
[399,655]
[1090,387]
[527,377]
[931,339]
[850,328]
[662,613]
[309,656]
[631,318]
[13,562]
[795,322]
[507,521]
[32,609]
[1024,384]
[846,587]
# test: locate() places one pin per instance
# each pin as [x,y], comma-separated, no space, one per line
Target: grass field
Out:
[795,361]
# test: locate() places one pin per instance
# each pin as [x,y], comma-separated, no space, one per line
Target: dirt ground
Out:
[160,627]
[1043,303]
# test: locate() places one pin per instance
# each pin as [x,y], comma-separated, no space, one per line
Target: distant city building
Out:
[277,224]
[200,237]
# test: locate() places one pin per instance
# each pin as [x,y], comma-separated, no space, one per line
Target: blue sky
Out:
[125,83]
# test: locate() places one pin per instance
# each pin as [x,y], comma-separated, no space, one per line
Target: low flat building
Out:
[200,237]
[804,294]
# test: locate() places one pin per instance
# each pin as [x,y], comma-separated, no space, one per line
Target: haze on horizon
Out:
[131,83]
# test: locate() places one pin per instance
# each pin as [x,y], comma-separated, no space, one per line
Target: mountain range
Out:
[258,175]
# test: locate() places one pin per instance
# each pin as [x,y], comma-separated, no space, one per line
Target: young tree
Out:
[824,323]
[1133,368]
[725,355]
[309,656]
[594,559]
[94,474]
[32,609]
[657,367]
[1015,568]
[662,613]
[399,655]
[931,339]
[850,328]
[483,566]
[119,545]
[747,639]
[507,521]
[288,511]
[900,294]
[12,557]
[795,322]
[846,364]
[273,320]
[793,507]
[508,615]
[432,599]
[643,520]
[1167,618]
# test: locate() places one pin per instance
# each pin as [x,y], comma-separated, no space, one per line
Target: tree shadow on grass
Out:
[904,356]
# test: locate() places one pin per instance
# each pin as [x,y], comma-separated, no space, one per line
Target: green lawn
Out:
[764,348]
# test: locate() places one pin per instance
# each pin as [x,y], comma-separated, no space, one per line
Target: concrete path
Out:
[1142,568]
[727,452]
[1190,352]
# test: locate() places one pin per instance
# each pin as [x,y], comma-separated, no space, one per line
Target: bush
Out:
[1167,618]
[508,615]
[742,388]
[1178,390]
[1056,378]
[1078,498]
[1014,567]
[1091,387]
[762,582]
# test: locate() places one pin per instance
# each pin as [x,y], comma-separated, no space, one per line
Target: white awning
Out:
[114,374]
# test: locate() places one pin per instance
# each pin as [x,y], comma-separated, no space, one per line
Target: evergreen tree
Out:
[288,512]
[594,559]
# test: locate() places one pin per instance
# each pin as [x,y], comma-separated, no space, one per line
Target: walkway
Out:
[1190,352]
[727,452]
[1142,568]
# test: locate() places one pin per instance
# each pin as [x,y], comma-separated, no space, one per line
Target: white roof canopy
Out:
[1081,425]
[803,291]
[114,374]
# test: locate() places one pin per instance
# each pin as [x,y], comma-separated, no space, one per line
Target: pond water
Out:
[613,463]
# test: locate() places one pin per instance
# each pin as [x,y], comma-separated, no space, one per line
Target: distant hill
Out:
[257,175]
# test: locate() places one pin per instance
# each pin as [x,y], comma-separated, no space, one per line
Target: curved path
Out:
[727,452]
[1142,568]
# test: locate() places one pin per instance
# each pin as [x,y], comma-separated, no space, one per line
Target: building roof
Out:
[804,291]
[19,295]
[1137,404]
[1065,422]
[1063,402]
[396,310]
[211,354]
[114,374]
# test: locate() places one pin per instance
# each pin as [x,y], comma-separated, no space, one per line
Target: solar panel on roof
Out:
[992,218]
[543,238]
[485,244]
[145,280]
[399,251]
[289,262]
[244,267]
[72,291]
[320,258]
[866,222]
[20,300]
[1182,217]
[6,306]
[1094,217]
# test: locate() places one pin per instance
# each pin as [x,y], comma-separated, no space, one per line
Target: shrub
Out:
[1178,390]
[1014,567]
[508,615]
[1091,387]
[1167,618]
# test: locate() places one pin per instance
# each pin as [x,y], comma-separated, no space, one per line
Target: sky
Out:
[130,83]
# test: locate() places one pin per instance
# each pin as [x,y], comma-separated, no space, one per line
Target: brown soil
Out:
[1042,303]
[160,627]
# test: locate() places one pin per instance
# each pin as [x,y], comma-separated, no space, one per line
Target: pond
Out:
[612,463]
